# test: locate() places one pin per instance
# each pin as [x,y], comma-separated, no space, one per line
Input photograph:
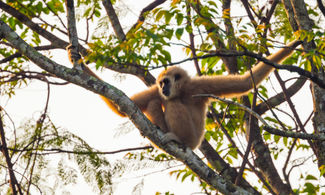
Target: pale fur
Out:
[182,116]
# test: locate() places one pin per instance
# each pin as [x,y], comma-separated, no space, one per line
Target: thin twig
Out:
[59,150]
[4,149]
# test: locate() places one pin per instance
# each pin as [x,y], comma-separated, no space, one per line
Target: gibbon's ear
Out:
[177,77]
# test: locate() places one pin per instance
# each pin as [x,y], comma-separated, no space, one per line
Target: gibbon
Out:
[170,104]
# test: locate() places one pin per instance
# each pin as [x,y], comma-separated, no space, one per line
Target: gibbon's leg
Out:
[155,114]
[180,124]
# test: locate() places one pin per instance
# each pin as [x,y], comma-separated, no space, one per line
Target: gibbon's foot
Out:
[168,137]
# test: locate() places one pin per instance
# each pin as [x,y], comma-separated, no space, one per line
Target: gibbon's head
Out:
[171,81]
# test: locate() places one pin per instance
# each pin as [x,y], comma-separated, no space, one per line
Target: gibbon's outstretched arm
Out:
[237,85]
[73,55]
[148,101]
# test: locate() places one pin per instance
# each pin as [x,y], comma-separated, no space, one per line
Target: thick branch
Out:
[72,30]
[290,14]
[230,62]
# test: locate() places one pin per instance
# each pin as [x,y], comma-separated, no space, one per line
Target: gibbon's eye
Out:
[166,81]
[177,77]
[160,84]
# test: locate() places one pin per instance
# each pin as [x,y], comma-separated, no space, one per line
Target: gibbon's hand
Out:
[73,54]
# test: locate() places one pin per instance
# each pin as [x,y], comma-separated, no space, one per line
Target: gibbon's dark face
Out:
[165,86]
[170,82]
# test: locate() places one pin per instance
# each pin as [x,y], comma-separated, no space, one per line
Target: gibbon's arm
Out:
[108,102]
[148,100]
[141,99]
[236,85]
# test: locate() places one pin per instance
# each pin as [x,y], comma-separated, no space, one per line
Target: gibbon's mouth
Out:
[166,93]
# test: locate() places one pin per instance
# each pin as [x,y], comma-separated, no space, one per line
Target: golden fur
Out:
[169,103]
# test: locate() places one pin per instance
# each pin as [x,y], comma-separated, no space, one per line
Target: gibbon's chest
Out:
[195,106]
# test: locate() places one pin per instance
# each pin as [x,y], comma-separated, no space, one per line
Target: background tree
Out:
[240,155]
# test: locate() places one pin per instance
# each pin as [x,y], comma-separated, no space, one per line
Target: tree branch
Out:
[114,19]
[280,98]
[59,150]
[148,8]
[321,6]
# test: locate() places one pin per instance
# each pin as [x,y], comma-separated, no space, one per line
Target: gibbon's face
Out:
[171,81]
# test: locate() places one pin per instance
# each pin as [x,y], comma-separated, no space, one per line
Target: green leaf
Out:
[229,160]
[233,152]
[267,136]
[277,138]
[179,33]
[167,55]
[179,18]
[97,13]
[311,177]
[160,14]
[168,17]
[322,169]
